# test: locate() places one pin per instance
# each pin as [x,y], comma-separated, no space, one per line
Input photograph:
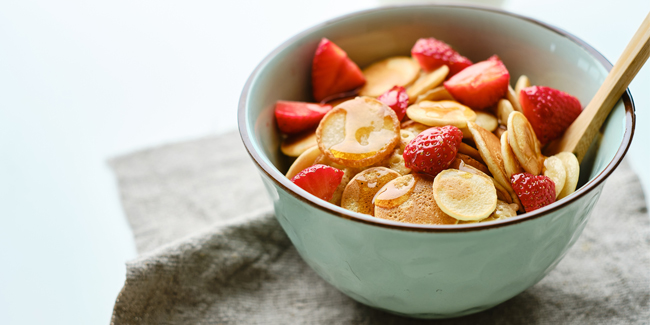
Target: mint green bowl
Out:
[429,271]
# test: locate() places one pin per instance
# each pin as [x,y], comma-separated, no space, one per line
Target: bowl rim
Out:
[273,173]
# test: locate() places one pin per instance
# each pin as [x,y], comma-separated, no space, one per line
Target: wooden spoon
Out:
[581,133]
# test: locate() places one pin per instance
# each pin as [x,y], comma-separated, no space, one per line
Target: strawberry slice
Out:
[433,150]
[534,192]
[480,85]
[432,54]
[397,99]
[295,117]
[549,111]
[319,180]
[332,72]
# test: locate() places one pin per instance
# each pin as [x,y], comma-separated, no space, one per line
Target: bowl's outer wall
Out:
[429,275]
[425,274]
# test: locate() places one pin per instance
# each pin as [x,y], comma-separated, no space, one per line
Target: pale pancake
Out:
[572,168]
[502,193]
[522,82]
[466,149]
[294,146]
[514,99]
[463,195]
[510,162]
[504,108]
[426,82]
[554,169]
[385,74]
[435,94]
[303,161]
[524,143]
[441,113]
[489,146]
[486,120]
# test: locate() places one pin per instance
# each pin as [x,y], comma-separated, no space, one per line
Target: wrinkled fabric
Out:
[211,252]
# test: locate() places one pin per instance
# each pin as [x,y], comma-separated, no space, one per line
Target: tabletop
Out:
[81,82]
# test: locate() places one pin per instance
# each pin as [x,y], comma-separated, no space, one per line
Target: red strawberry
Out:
[480,85]
[433,150]
[549,111]
[432,54]
[319,180]
[397,99]
[533,191]
[332,72]
[295,117]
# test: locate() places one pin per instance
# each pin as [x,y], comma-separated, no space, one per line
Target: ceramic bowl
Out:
[430,271]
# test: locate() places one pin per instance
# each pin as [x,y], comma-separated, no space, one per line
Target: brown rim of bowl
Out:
[273,173]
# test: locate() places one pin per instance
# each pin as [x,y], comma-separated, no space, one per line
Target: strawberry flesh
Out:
[397,99]
[319,180]
[295,117]
[549,111]
[433,150]
[534,192]
[432,54]
[480,85]
[333,72]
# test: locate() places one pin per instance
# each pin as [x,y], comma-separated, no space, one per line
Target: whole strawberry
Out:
[533,191]
[319,180]
[397,99]
[549,111]
[433,150]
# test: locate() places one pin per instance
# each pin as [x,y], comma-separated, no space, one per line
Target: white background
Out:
[84,81]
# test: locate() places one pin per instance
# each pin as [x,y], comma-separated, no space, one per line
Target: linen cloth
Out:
[211,252]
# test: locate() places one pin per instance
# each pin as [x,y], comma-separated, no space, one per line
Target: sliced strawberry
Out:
[433,150]
[432,54]
[332,72]
[533,191]
[397,99]
[481,85]
[295,117]
[319,180]
[549,111]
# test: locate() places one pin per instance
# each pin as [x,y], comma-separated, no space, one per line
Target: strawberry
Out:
[319,180]
[332,72]
[397,99]
[432,54]
[295,117]
[481,85]
[549,111]
[433,150]
[533,191]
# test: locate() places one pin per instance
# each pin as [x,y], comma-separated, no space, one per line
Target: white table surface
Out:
[81,82]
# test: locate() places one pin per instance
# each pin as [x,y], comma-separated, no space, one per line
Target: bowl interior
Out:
[545,55]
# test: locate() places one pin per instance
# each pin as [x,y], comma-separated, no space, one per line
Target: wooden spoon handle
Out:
[579,135]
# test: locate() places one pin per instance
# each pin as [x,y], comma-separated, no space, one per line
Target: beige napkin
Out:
[211,252]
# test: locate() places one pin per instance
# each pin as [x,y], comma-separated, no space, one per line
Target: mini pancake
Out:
[514,99]
[502,194]
[510,162]
[348,174]
[572,168]
[463,195]
[435,94]
[303,161]
[410,199]
[504,108]
[396,159]
[487,121]
[414,127]
[441,113]
[524,143]
[358,133]
[466,149]
[503,211]
[426,82]
[361,189]
[489,146]
[554,169]
[499,131]
[522,83]
[385,74]
[294,146]
[467,160]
